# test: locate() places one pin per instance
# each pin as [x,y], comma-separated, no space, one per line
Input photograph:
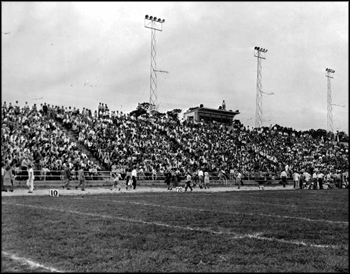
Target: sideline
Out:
[232,234]
[31,263]
[138,190]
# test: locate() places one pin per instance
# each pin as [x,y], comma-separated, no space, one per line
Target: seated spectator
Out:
[43,173]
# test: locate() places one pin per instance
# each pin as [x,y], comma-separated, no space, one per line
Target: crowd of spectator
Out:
[157,144]
[32,136]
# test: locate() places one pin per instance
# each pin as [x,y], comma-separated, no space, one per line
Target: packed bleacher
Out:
[31,135]
[155,144]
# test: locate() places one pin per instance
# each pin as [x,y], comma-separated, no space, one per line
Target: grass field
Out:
[247,231]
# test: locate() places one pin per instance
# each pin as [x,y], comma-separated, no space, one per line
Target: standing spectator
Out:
[173,178]
[44,172]
[320,176]
[222,176]
[154,174]
[307,178]
[337,179]
[284,178]
[223,105]
[23,175]
[141,173]
[346,179]
[328,179]
[94,172]
[3,188]
[201,178]
[66,176]
[296,180]
[178,176]
[168,179]
[81,178]
[286,168]
[232,174]
[314,179]
[239,180]
[113,169]
[128,178]
[8,178]
[195,178]
[115,178]
[206,179]
[188,181]
[30,181]
[44,109]
[133,177]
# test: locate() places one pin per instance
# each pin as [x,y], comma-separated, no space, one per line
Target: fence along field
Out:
[248,231]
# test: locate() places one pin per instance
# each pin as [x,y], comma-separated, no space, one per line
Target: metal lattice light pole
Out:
[155,24]
[259,53]
[329,100]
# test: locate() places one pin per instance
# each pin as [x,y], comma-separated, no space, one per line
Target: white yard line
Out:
[26,261]
[226,212]
[232,234]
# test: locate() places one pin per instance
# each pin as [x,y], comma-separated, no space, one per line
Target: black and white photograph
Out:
[141,136]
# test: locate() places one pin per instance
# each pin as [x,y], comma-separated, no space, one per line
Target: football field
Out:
[232,231]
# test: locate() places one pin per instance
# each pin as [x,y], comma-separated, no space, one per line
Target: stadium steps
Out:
[72,136]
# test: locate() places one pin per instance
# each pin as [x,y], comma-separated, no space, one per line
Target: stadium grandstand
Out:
[50,137]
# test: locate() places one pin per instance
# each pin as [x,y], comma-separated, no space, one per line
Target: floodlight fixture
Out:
[146,16]
[151,17]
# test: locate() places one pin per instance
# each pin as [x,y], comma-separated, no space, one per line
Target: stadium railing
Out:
[55,175]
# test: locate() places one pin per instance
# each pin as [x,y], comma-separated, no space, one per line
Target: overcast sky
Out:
[79,54]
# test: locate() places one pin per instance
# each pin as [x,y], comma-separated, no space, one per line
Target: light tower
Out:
[155,24]
[329,100]
[259,53]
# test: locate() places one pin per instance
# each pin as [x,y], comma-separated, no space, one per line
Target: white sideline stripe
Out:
[234,235]
[31,263]
[244,213]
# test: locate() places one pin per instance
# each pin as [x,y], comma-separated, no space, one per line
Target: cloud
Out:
[207,47]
